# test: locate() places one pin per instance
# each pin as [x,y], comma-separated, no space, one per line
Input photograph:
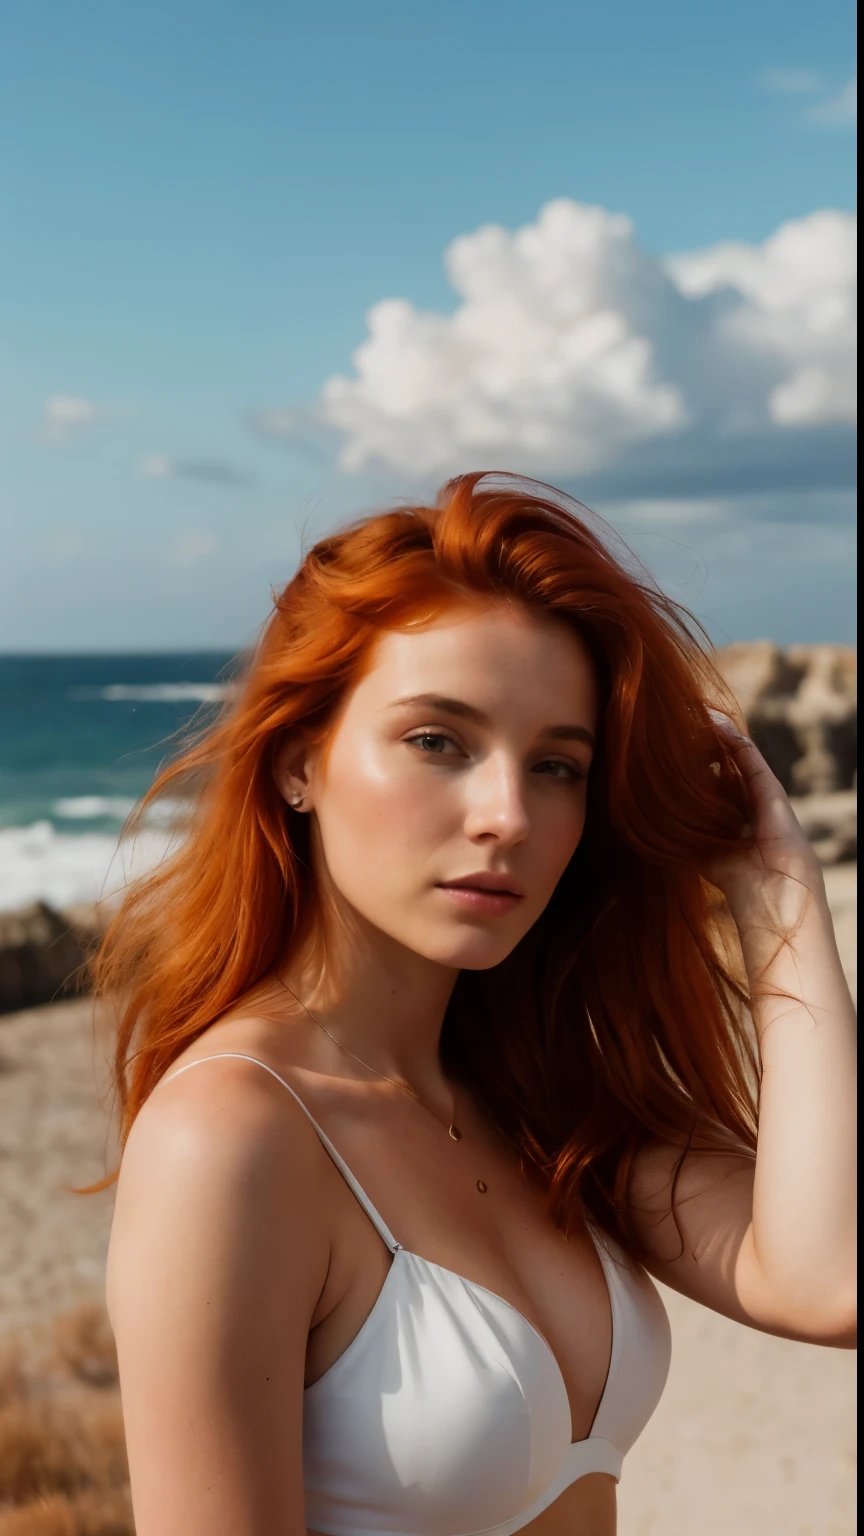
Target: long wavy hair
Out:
[619,1017]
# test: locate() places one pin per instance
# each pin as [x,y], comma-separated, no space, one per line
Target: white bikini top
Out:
[447,1414]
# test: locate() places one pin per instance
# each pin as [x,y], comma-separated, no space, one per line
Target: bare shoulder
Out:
[224,1104]
[218,1257]
[225,1160]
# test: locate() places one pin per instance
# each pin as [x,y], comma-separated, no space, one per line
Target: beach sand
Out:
[754,1435]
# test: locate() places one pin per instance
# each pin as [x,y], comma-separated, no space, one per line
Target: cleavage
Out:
[558,1287]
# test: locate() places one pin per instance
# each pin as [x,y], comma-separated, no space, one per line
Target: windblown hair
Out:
[620,1017]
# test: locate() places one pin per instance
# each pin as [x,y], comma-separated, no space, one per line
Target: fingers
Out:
[751,762]
[727,724]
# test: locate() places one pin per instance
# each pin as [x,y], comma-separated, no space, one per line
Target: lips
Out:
[485,880]
[483,895]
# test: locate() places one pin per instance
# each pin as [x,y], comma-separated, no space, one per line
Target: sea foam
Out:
[38,863]
[92,808]
[156,693]
[168,811]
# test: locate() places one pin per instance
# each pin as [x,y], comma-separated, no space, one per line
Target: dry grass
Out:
[83,1345]
[63,1469]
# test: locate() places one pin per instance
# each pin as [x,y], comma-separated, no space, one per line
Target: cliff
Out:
[801,709]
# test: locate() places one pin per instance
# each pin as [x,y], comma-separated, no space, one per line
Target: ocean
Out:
[81,738]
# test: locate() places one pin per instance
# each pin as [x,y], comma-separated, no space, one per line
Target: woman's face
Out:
[451,795]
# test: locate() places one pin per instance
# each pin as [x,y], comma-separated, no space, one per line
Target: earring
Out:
[297,801]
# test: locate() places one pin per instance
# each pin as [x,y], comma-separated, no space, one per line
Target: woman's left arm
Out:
[772,1244]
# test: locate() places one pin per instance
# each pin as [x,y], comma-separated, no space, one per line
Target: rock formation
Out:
[831,823]
[801,709]
[43,956]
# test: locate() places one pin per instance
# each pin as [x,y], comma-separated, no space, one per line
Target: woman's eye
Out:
[430,741]
[568,772]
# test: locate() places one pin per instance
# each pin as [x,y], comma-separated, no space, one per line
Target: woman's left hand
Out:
[772,1245]
[781,856]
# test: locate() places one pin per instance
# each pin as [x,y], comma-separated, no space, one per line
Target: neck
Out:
[382,1001]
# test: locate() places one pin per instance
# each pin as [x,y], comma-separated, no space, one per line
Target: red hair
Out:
[618,1018]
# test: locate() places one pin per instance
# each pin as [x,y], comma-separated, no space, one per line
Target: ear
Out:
[292,771]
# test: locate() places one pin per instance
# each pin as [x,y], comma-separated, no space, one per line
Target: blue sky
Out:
[205,202]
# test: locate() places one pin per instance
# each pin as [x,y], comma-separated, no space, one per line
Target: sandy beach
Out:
[754,1435]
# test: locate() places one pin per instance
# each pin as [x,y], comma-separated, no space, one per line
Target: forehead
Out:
[497,655]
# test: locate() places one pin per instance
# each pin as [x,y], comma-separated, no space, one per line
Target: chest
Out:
[500,1238]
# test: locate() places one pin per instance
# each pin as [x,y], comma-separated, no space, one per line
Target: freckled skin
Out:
[486,775]
[239,1254]
[409,797]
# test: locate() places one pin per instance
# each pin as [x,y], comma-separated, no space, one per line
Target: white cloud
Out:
[794,315]
[67,413]
[811,395]
[157,467]
[572,350]
[211,471]
[547,361]
[193,547]
[791,82]
[839,110]
[666,512]
[800,509]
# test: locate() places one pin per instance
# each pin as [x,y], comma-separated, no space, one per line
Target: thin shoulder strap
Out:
[356,1189]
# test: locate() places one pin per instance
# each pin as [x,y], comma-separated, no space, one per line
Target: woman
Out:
[433,1041]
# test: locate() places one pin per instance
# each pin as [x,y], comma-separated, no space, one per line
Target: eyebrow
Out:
[471,712]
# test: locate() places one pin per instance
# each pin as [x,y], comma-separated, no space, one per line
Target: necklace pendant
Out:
[482,1187]
[454,1133]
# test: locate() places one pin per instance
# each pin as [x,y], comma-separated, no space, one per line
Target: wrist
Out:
[764,897]
[778,903]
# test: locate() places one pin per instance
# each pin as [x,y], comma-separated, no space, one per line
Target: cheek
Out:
[376,812]
[557,832]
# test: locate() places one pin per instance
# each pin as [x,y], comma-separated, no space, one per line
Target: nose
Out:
[496,809]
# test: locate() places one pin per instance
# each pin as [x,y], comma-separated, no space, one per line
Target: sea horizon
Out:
[82,735]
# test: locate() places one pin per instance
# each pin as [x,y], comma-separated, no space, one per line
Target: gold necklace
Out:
[453,1130]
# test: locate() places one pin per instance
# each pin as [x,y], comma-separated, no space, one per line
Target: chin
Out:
[469,951]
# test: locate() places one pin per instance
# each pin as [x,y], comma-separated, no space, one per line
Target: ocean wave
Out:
[169,812]
[92,808]
[156,693]
[38,863]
